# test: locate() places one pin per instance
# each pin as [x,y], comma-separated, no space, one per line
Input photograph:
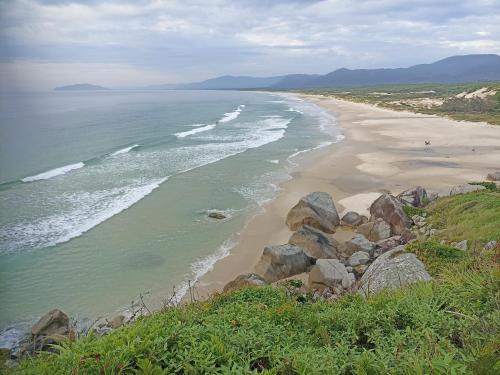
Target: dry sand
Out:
[383,150]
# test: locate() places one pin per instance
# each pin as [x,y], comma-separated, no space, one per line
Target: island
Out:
[81,87]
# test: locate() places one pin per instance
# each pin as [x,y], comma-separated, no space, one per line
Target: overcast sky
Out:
[46,43]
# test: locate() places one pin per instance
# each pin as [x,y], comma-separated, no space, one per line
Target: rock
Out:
[315,243]
[359,257]
[52,328]
[248,279]
[353,219]
[465,188]
[416,197]
[494,176]
[434,232]
[117,321]
[462,245]
[216,215]
[359,243]
[392,270]
[349,269]
[54,323]
[360,270]
[375,230]
[278,262]
[407,236]
[328,273]
[316,210]
[387,244]
[391,210]
[490,245]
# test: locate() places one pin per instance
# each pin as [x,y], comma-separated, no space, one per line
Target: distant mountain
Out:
[455,69]
[81,87]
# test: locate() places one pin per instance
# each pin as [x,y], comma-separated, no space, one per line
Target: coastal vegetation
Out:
[447,326]
[478,101]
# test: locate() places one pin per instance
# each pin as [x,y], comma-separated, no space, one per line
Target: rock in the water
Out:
[359,257]
[249,279]
[316,210]
[391,210]
[462,245]
[315,243]
[375,230]
[278,262]
[494,176]
[353,219]
[359,243]
[216,215]
[416,197]
[392,270]
[329,273]
[465,188]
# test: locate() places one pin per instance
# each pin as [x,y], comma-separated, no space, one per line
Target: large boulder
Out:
[329,273]
[359,243]
[315,243]
[416,197]
[390,209]
[465,188]
[375,230]
[248,279]
[316,210]
[353,219]
[278,262]
[52,328]
[392,270]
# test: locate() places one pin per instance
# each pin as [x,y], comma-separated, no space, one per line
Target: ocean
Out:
[104,196]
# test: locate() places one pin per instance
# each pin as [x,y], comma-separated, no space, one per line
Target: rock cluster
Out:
[335,268]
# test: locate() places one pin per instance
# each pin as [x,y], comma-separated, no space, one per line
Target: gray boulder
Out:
[278,262]
[315,243]
[117,321]
[490,245]
[416,197]
[329,273]
[462,245]
[216,215]
[390,209]
[359,243]
[358,258]
[392,270]
[353,219]
[375,230]
[52,328]
[494,176]
[248,279]
[316,210]
[387,244]
[465,188]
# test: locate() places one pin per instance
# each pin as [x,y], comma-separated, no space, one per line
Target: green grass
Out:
[474,216]
[412,211]
[448,326]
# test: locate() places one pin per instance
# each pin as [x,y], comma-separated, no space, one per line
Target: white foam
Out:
[93,208]
[194,131]
[124,150]
[320,146]
[229,116]
[54,172]
[195,125]
[274,161]
[291,109]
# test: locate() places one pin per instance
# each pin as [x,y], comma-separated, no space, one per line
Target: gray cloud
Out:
[189,40]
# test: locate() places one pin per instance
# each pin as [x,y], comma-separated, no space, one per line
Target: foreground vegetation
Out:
[448,326]
[437,99]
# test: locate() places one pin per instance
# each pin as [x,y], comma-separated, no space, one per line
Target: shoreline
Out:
[374,157]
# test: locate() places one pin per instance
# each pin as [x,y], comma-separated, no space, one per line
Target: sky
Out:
[48,43]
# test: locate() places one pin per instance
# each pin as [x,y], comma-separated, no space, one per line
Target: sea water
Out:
[104,196]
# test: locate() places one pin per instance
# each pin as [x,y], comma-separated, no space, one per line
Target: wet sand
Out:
[383,150]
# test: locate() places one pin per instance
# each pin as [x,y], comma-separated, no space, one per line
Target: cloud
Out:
[192,39]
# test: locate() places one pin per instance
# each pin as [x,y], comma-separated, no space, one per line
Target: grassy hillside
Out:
[438,99]
[448,326]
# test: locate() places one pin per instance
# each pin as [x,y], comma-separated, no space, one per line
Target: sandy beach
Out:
[383,150]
